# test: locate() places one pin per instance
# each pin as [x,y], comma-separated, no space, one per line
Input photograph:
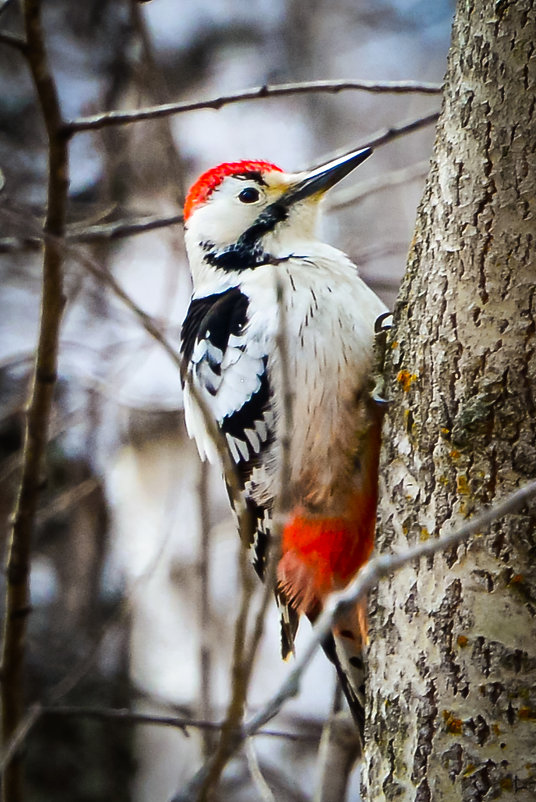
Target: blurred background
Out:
[134,580]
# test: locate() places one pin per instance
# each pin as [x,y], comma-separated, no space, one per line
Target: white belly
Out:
[328,341]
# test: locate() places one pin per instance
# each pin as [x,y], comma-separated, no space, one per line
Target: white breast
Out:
[329,317]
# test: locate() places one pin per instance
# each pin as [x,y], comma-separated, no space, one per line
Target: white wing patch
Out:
[226,379]
[227,366]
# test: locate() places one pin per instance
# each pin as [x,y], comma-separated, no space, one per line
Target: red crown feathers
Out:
[207,183]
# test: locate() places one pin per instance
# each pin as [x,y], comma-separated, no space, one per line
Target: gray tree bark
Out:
[453,640]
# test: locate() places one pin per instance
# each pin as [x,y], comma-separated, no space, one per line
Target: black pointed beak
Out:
[324,177]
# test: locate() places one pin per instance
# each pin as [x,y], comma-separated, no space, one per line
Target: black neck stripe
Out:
[247,253]
[268,219]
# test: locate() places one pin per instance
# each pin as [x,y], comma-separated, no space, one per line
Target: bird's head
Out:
[240,215]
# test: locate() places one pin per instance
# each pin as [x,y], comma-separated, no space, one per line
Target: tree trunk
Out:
[453,640]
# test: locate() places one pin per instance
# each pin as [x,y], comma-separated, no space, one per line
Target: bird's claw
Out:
[381,329]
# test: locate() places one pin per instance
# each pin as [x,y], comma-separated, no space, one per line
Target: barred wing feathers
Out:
[229,370]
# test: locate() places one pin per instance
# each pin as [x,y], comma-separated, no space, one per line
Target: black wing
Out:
[230,371]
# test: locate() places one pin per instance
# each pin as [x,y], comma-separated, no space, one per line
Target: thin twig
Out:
[38,416]
[13,40]
[147,321]
[122,228]
[126,716]
[100,232]
[154,80]
[263,789]
[4,4]
[68,499]
[107,118]
[240,675]
[205,650]
[386,135]
[339,749]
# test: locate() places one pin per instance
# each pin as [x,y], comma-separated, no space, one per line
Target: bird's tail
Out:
[344,647]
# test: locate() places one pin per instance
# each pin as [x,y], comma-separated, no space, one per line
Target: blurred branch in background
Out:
[108,118]
[263,789]
[17,604]
[158,90]
[339,748]
[182,723]
[12,40]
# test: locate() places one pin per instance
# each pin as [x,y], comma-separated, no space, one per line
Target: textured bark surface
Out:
[453,656]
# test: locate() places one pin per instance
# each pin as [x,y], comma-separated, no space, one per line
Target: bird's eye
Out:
[249,195]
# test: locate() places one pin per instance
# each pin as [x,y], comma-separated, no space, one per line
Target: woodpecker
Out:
[255,261]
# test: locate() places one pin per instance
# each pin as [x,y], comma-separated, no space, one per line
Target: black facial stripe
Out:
[265,222]
[247,253]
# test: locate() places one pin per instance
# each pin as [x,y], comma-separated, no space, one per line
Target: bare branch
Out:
[205,781]
[339,749]
[103,274]
[263,789]
[101,232]
[121,228]
[126,716]
[96,121]
[37,421]
[17,244]
[4,4]
[154,80]
[387,135]
[13,40]
[67,499]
